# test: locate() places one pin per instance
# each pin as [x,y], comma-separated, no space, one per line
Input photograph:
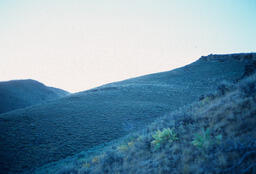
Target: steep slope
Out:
[44,133]
[18,94]
[215,135]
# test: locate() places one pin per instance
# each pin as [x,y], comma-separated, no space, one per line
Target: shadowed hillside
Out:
[215,135]
[40,134]
[18,94]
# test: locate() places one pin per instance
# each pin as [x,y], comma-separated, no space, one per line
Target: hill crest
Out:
[17,94]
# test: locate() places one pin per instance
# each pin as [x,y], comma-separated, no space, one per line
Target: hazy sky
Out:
[80,44]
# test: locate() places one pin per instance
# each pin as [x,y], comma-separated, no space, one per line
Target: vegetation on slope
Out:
[49,132]
[18,94]
[217,134]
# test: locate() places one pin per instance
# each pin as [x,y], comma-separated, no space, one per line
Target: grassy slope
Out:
[228,147]
[52,131]
[18,94]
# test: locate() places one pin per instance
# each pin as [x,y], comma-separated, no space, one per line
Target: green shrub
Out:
[204,139]
[161,137]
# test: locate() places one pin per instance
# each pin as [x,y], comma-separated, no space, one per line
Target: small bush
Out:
[123,148]
[130,144]
[204,139]
[95,159]
[160,137]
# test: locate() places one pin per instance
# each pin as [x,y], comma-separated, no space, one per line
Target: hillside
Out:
[18,94]
[215,135]
[34,136]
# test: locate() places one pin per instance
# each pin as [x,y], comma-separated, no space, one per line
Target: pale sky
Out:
[79,44]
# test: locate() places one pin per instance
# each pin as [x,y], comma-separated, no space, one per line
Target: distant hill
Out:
[44,133]
[18,94]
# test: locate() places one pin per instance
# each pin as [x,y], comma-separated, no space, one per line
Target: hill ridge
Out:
[236,56]
[17,94]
